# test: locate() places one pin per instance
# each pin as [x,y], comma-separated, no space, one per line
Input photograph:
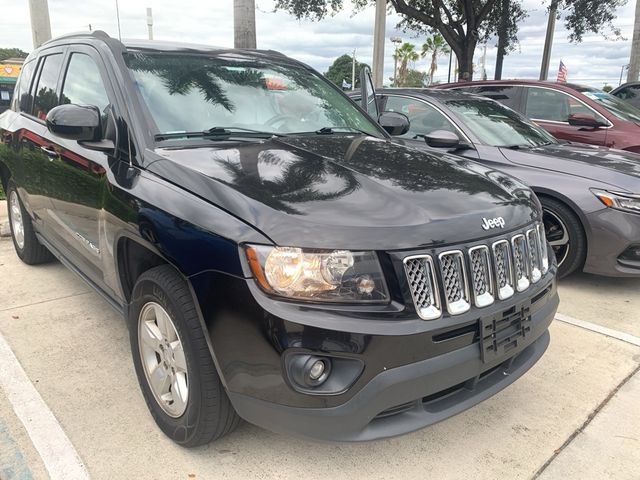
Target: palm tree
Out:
[436,46]
[405,54]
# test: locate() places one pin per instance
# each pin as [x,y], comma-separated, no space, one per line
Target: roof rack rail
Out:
[95,34]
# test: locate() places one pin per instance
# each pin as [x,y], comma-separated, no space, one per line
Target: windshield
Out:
[195,93]
[619,108]
[497,125]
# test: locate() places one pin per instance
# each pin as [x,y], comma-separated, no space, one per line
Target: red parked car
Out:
[570,112]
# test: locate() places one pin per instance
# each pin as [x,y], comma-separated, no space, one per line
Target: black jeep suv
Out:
[277,257]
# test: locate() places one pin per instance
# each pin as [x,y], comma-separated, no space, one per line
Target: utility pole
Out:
[244,24]
[548,41]
[40,23]
[150,23]
[378,43]
[634,63]
[483,73]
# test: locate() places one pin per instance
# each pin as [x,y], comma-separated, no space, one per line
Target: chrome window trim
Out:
[434,311]
[463,305]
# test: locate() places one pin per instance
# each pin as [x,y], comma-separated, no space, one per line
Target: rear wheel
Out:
[565,235]
[27,245]
[174,366]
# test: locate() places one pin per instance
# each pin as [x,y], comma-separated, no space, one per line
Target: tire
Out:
[201,412]
[562,225]
[27,246]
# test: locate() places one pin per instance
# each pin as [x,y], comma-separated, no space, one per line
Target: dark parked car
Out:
[278,258]
[569,112]
[590,195]
[629,92]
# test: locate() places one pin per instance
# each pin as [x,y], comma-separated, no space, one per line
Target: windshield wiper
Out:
[221,133]
[515,146]
[332,130]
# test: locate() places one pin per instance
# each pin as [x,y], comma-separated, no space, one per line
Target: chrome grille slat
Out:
[533,245]
[520,262]
[455,282]
[504,269]
[542,236]
[482,274]
[424,288]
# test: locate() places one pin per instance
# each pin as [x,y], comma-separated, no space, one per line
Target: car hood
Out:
[354,192]
[615,167]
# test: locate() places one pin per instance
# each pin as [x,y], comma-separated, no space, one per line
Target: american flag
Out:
[562,73]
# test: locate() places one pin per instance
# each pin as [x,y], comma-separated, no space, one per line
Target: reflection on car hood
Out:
[615,167]
[338,191]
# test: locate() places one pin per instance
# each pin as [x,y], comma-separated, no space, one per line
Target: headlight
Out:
[619,201]
[338,276]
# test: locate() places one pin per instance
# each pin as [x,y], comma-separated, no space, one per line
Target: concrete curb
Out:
[5,231]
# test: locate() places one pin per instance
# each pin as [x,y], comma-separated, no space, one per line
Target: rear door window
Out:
[21,95]
[630,94]
[46,93]
[555,106]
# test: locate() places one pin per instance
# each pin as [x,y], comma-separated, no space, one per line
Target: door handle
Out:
[51,153]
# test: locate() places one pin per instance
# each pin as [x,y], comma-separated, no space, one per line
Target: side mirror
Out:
[442,139]
[394,123]
[584,120]
[75,122]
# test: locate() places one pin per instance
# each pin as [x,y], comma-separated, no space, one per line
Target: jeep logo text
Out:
[489,223]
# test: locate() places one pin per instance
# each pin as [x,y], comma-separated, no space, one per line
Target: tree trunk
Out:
[434,65]
[465,60]
[244,23]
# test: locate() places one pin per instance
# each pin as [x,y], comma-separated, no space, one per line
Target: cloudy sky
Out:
[595,62]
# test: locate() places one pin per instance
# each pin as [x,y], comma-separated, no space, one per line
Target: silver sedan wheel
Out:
[163,359]
[17,223]
[557,235]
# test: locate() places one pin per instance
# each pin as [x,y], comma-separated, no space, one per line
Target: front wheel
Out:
[25,242]
[174,367]
[565,235]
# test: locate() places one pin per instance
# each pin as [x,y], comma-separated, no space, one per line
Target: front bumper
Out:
[612,233]
[412,396]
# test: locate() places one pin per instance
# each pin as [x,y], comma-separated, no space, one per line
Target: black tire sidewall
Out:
[577,239]
[183,428]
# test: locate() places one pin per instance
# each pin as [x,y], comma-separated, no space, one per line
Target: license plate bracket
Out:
[504,331]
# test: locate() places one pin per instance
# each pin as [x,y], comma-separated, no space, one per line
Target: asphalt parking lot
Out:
[575,414]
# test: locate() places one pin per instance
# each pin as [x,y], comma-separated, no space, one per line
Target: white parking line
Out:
[609,332]
[59,456]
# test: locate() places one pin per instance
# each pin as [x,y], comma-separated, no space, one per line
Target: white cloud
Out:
[596,61]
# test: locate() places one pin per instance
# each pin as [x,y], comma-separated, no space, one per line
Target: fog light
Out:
[316,371]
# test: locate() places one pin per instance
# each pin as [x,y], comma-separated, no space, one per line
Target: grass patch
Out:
[2,197]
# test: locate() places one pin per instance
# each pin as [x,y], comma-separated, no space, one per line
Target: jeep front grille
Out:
[480,274]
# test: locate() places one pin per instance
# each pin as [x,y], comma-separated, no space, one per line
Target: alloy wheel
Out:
[17,223]
[163,359]
[557,235]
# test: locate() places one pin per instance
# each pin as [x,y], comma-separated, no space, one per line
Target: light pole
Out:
[353,70]
[396,41]
[150,23]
